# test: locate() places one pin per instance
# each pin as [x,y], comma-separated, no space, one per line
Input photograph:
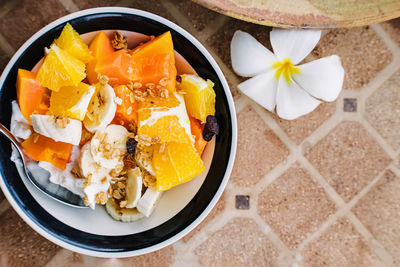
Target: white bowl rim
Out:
[230,101]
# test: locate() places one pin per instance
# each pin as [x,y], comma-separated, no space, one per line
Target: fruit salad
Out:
[114,124]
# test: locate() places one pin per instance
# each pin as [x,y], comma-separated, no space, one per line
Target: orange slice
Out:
[60,69]
[164,119]
[177,163]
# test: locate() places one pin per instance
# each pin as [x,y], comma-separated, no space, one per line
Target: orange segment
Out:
[60,69]
[178,163]
[117,66]
[165,119]
[154,62]
[32,98]
[100,47]
[41,148]
[71,101]
[70,41]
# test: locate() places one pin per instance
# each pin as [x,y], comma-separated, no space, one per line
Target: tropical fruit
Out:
[154,62]
[70,41]
[100,48]
[177,163]
[164,119]
[71,101]
[41,148]
[32,98]
[60,69]
[197,132]
[126,113]
[117,66]
[199,96]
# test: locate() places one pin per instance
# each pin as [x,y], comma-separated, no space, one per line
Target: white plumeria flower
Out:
[277,81]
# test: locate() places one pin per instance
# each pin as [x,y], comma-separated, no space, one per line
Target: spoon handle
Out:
[14,141]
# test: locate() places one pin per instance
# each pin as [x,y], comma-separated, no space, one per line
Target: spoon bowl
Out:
[40,177]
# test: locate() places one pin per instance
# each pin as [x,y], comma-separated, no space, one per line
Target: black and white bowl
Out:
[180,209]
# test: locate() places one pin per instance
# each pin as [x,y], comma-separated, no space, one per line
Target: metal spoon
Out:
[40,177]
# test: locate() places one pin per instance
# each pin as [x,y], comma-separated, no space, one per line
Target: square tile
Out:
[242,202]
[301,128]
[348,158]
[20,245]
[379,211]
[239,242]
[216,211]
[258,151]
[350,105]
[27,18]
[362,52]
[382,110]
[339,245]
[294,206]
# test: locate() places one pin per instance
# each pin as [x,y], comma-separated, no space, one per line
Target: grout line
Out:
[377,247]
[6,46]
[4,206]
[69,5]
[387,40]
[213,26]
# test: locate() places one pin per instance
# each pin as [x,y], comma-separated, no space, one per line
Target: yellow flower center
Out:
[285,68]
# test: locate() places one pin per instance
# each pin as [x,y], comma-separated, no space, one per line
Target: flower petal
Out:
[322,78]
[292,101]
[249,57]
[262,89]
[294,44]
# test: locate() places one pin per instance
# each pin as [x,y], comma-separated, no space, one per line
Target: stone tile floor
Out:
[321,190]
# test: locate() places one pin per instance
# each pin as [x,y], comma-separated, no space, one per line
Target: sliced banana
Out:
[101,109]
[108,146]
[124,215]
[148,201]
[144,158]
[134,185]
[59,129]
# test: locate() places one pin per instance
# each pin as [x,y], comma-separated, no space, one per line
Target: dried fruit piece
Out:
[131,145]
[211,128]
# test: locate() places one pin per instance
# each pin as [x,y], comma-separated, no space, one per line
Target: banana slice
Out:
[101,109]
[59,129]
[148,201]
[134,185]
[97,177]
[109,146]
[124,215]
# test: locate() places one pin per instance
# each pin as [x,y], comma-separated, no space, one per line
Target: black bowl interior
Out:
[196,206]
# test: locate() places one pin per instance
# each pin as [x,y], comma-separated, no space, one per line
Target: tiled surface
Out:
[322,190]
[349,158]
[294,206]
[379,211]
[361,50]
[256,141]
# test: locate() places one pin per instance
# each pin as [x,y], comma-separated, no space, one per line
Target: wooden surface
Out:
[307,13]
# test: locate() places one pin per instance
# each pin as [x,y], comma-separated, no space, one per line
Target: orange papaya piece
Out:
[31,96]
[101,47]
[154,62]
[197,131]
[126,113]
[117,66]
[42,148]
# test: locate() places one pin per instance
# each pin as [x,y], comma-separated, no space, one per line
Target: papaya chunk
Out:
[126,114]
[154,62]
[31,96]
[117,66]
[42,148]
[197,131]
[101,47]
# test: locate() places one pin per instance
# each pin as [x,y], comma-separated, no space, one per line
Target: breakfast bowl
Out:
[181,209]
